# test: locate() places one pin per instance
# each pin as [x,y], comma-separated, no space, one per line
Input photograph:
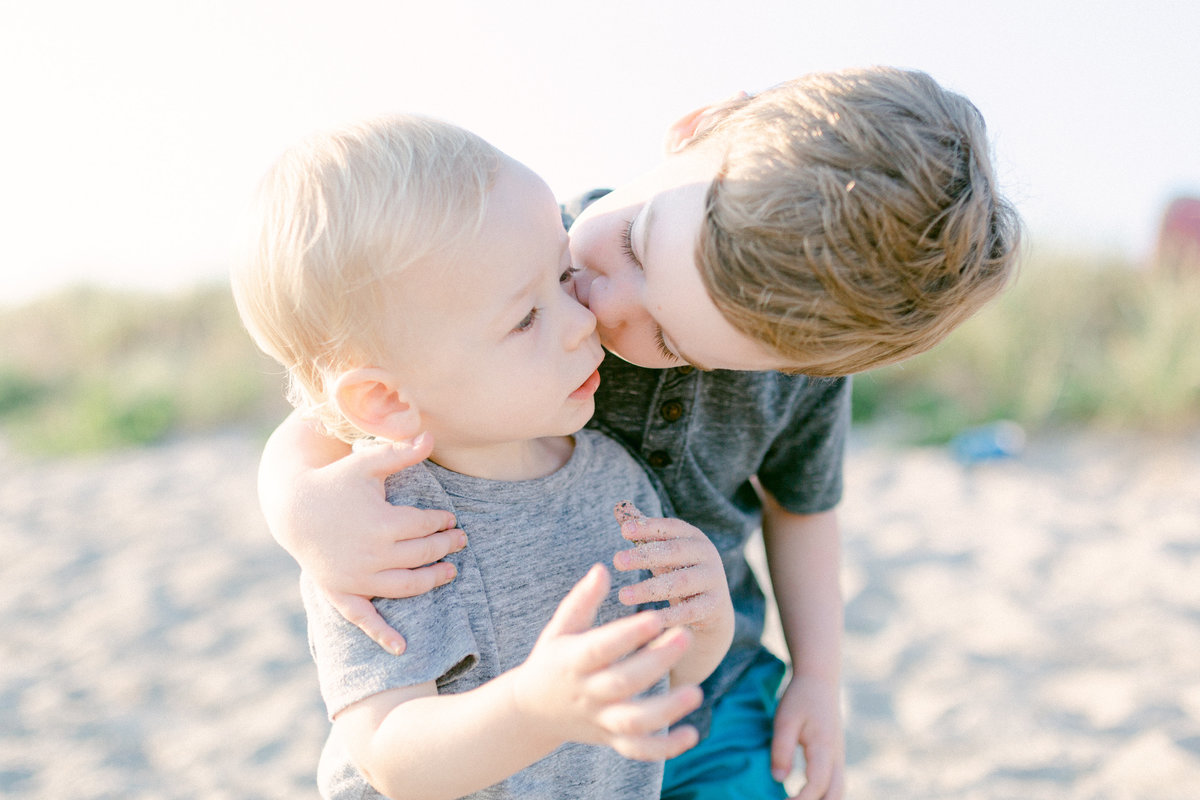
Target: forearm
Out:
[803,559]
[449,745]
[295,447]
[709,645]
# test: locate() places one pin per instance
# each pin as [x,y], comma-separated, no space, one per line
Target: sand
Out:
[1021,629]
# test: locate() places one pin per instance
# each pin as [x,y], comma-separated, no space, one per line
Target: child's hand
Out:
[808,716]
[686,571]
[685,566]
[356,546]
[581,682]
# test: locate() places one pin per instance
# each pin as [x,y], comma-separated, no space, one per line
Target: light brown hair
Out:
[856,219]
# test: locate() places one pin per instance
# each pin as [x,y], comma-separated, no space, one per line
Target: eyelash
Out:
[534,312]
[527,323]
[627,246]
[627,243]
[661,342]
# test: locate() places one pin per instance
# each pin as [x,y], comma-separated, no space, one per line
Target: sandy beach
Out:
[1027,628]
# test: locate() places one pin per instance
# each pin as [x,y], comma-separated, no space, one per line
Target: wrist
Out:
[818,674]
[531,710]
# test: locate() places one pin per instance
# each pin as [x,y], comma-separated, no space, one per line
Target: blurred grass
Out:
[93,369]
[1074,341]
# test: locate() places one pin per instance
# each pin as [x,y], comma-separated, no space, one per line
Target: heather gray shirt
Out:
[530,542]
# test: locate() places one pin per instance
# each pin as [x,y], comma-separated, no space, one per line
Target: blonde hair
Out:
[336,217]
[856,219]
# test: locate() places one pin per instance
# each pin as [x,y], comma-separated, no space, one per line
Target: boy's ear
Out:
[687,127]
[374,402]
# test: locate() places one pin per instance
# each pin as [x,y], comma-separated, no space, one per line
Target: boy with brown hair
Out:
[825,226]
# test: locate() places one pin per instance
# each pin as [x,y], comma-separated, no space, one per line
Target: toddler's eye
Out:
[527,322]
[568,274]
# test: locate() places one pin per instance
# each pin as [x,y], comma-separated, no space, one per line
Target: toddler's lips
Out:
[588,387]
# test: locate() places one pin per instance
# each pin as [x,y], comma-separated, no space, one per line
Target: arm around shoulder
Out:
[294,450]
[325,504]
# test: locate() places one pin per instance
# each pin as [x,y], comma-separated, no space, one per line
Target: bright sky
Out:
[134,130]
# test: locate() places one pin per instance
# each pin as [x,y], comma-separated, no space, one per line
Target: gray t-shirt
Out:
[530,542]
[704,435]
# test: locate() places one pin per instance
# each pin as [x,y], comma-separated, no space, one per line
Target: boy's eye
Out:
[527,323]
[627,243]
[661,342]
[568,274]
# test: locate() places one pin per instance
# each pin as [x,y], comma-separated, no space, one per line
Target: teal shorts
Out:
[734,760]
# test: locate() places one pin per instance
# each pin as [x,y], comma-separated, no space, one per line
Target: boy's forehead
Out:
[697,164]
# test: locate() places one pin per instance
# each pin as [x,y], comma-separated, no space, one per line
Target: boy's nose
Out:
[612,299]
[583,285]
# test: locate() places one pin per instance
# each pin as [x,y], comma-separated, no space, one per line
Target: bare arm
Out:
[803,558]
[326,506]
[578,684]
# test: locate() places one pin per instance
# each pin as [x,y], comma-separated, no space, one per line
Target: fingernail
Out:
[626,511]
[779,775]
[419,439]
[397,648]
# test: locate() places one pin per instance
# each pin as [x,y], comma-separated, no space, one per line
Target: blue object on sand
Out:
[997,440]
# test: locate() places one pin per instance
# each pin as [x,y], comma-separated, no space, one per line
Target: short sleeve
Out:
[803,468]
[441,645]
[351,667]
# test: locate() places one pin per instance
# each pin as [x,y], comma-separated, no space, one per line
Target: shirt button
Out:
[659,459]
[685,370]
[671,410]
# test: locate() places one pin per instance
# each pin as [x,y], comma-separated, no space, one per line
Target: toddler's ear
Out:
[372,400]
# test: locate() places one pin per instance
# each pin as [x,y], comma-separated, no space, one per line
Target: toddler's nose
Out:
[583,325]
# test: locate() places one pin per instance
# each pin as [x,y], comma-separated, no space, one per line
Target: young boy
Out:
[412,278]
[828,225]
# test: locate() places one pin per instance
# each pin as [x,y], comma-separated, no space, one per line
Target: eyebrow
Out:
[523,290]
[513,302]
